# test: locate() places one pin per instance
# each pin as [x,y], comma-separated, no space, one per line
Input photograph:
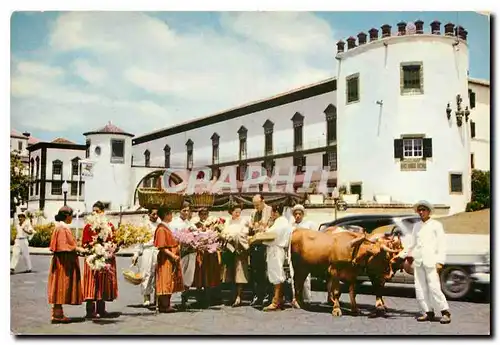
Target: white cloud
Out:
[89,73]
[143,74]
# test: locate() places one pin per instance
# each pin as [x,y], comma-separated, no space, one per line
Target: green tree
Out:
[19,180]
[481,191]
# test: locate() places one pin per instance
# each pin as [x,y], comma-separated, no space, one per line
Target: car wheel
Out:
[455,282]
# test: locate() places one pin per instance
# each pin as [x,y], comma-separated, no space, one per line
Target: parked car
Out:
[467,265]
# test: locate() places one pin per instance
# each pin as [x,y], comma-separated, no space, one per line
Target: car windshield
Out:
[406,224]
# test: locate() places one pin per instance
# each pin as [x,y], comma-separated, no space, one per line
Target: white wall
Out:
[480,145]
[367,131]
[14,145]
[111,182]
[314,134]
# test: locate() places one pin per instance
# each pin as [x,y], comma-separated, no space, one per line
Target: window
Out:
[456,186]
[74,166]
[357,188]
[331,124]
[300,163]
[37,186]
[189,147]
[32,167]
[56,187]
[147,157]
[352,88]
[268,165]
[166,151]
[413,148]
[57,168]
[74,187]
[412,78]
[330,159]
[243,148]
[87,150]
[215,148]
[117,151]
[412,151]
[268,137]
[472,99]
[298,129]
[472,129]
[472,161]
[20,146]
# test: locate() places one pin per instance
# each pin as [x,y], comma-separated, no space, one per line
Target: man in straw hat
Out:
[427,251]
[21,246]
[298,212]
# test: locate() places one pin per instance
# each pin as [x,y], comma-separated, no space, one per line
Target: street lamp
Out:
[65,191]
[335,196]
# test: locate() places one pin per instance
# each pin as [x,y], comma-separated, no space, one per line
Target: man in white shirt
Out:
[298,212]
[427,250]
[276,255]
[21,245]
[148,254]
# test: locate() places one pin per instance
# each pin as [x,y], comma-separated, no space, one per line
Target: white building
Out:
[400,121]
[479,93]
[19,143]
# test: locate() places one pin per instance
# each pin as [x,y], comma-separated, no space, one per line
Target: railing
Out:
[318,142]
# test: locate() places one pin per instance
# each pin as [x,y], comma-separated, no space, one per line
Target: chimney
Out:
[340,46]
[373,34]
[361,38]
[401,28]
[436,28]
[386,30]
[26,134]
[448,29]
[460,32]
[419,27]
[351,43]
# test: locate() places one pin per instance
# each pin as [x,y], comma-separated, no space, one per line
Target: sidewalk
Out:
[46,251]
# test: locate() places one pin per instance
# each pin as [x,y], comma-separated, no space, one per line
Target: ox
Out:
[343,255]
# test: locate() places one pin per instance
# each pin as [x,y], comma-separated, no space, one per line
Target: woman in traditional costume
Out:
[168,270]
[98,286]
[235,255]
[207,275]
[64,284]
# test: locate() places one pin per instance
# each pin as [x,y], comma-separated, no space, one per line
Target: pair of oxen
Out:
[343,255]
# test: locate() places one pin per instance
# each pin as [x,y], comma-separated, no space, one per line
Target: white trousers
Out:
[275,257]
[428,289]
[21,248]
[188,264]
[148,270]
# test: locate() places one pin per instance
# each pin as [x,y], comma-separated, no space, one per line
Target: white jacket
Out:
[428,243]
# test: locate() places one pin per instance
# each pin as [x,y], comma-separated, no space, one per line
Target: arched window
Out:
[147,157]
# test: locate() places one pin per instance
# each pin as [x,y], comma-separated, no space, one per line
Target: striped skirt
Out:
[100,285]
[64,285]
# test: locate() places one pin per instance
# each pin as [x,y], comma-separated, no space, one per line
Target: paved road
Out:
[30,314]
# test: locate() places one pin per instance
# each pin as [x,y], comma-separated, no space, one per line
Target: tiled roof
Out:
[17,134]
[109,129]
[62,141]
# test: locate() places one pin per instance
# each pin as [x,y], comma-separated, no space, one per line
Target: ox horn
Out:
[383,246]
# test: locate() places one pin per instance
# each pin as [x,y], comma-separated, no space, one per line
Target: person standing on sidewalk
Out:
[427,251]
[21,245]
[148,254]
[64,283]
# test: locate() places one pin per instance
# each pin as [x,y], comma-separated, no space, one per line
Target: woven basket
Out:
[132,277]
[152,198]
[203,200]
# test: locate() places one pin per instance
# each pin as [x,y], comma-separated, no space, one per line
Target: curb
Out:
[46,252]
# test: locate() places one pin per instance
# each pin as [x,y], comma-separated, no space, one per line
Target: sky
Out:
[73,72]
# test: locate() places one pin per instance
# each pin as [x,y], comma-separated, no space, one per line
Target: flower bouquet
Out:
[214,224]
[208,241]
[129,234]
[187,240]
[102,249]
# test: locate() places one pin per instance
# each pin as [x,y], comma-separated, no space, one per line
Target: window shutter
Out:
[398,148]
[472,99]
[427,142]
[325,160]
[472,129]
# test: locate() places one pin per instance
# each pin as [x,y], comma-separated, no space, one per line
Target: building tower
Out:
[109,149]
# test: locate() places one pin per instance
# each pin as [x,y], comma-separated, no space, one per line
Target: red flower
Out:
[222,220]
